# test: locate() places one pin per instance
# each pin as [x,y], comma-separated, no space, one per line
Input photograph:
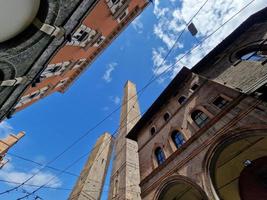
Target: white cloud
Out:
[5,129]
[115,99]
[158,58]
[110,68]
[9,173]
[138,25]
[173,17]
[106,108]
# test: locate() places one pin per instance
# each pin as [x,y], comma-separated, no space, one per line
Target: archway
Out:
[253,180]
[180,188]
[235,164]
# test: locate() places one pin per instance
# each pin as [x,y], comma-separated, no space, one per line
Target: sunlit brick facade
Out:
[99,28]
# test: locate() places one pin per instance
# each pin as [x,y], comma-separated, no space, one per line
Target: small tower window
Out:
[153,130]
[182,100]
[194,87]
[116,188]
[160,155]
[200,118]
[220,102]
[166,116]
[178,139]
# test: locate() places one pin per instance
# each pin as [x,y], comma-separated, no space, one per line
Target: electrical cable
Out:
[132,97]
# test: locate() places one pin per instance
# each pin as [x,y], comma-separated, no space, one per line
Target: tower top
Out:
[128,82]
[130,112]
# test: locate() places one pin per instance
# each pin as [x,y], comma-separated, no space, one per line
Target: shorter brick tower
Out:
[92,178]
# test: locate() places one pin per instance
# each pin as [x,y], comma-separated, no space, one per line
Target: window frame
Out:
[194,87]
[254,54]
[220,105]
[154,132]
[236,57]
[181,141]
[167,116]
[183,102]
[203,121]
[160,155]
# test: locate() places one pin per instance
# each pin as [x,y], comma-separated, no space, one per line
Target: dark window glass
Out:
[178,138]
[34,95]
[115,1]
[160,155]
[220,102]
[200,118]
[122,16]
[194,87]
[55,69]
[83,36]
[153,130]
[182,99]
[166,116]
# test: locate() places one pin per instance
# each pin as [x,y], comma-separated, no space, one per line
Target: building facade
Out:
[205,137]
[91,181]
[6,144]
[54,44]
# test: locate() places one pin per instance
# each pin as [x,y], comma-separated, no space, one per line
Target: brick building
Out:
[53,43]
[205,136]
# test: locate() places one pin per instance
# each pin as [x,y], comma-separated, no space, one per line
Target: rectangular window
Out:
[220,102]
[55,70]
[82,36]
[118,8]
[194,87]
[123,16]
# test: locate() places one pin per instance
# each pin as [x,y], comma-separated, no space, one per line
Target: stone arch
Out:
[253,46]
[47,13]
[179,186]
[229,156]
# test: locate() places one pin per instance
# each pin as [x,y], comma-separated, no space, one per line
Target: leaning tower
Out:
[125,178]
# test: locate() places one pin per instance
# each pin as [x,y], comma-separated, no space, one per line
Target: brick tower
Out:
[125,178]
[92,178]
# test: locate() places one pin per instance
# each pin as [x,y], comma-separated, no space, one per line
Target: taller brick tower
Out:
[125,178]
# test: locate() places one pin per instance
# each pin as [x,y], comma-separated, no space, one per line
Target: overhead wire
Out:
[40,164]
[108,116]
[201,42]
[163,61]
[73,163]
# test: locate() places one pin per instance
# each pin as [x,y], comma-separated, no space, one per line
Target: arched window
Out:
[153,130]
[255,56]
[200,118]
[182,99]
[178,138]
[166,116]
[160,155]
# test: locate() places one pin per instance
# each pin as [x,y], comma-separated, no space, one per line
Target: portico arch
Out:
[233,163]
[179,188]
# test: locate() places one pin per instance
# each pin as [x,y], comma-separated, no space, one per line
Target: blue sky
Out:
[56,121]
